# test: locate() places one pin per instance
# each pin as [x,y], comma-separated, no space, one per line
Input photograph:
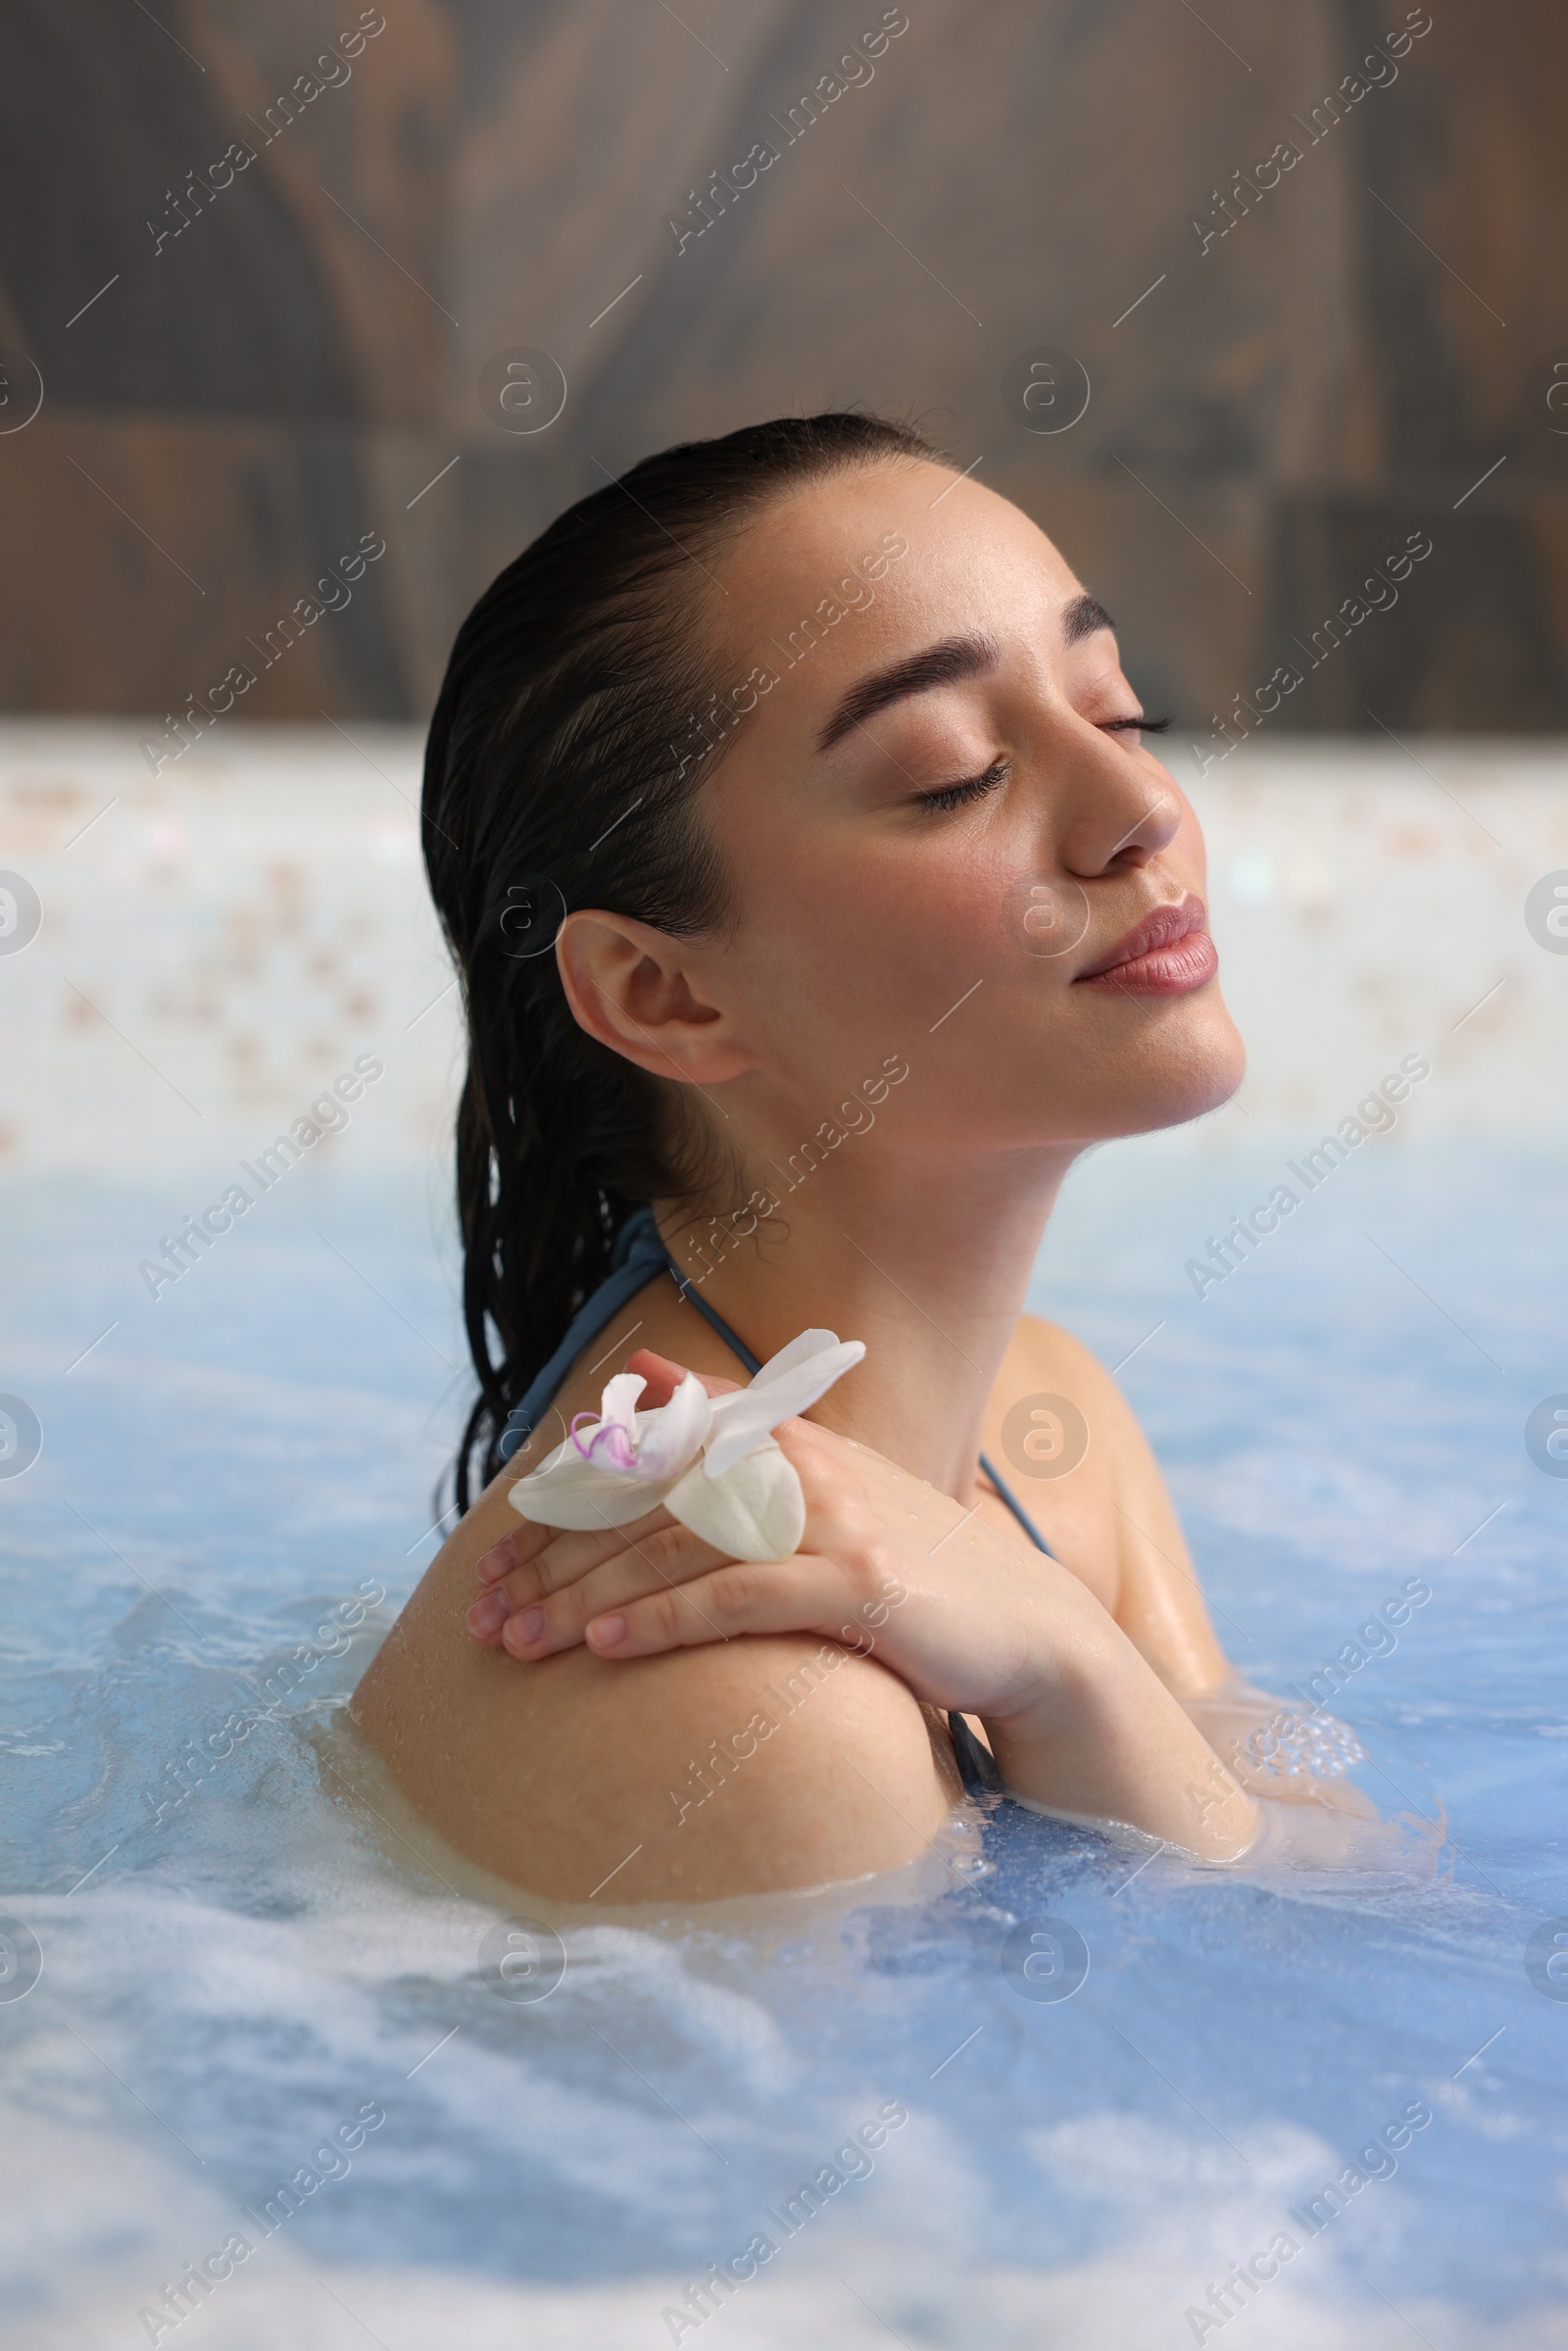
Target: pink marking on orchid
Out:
[620,1451]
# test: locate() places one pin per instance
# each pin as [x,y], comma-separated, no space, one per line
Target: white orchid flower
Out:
[714,1462]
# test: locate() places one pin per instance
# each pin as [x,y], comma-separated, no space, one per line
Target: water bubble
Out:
[1316,1747]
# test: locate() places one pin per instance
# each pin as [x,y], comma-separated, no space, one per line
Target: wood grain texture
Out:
[1284,378]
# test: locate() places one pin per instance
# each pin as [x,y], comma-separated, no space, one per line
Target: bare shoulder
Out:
[1047,1365]
[1049,1349]
[1058,1422]
[1098,1495]
[743,1766]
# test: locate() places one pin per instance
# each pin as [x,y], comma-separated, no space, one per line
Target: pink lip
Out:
[1169,954]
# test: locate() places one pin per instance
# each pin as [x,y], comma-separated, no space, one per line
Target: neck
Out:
[925,1258]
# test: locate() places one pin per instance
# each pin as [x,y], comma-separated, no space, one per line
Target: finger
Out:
[805,1593]
[497,1562]
[558,1553]
[562,1562]
[570,1556]
[512,1550]
[486,1618]
[530,1563]
[522,1568]
[523,1544]
[555,1620]
[664,1374]
[514,1560]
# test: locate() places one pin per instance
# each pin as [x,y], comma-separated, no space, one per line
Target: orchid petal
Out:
[619,1398]
[757,1510]
[742,1495]
[668,1439]
[788,1383]
[584,1485]
[583,1496]
[803,1348]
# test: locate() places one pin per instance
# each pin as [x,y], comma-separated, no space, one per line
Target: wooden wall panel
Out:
[1282,376]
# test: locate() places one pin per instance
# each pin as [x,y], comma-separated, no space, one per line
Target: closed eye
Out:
[975,787]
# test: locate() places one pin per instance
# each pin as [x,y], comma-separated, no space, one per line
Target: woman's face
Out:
[946,839]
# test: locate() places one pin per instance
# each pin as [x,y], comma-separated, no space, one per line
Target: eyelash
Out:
[958,795]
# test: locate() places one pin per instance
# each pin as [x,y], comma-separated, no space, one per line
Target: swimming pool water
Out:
[232,1973]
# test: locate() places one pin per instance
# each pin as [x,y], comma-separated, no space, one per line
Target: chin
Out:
[1185,1073]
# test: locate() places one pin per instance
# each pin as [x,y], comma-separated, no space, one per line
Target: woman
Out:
[811,880]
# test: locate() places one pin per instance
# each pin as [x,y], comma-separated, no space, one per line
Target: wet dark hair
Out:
[574,724]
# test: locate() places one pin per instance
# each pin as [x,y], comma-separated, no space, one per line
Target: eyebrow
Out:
[1082,618]
[937,666]
[944,664]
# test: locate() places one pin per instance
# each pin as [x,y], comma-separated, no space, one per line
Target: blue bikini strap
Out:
[736,1344]
[1005,1494]
[977,1766]
[638,1255]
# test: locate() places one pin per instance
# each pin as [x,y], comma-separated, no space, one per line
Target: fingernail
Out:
[488,1615]
[606,1631]
[526,1625]
[495,1562]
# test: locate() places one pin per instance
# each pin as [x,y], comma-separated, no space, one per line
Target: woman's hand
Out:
[887,1565]
[963,1614]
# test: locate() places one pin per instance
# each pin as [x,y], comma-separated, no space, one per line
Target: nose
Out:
[1122,813]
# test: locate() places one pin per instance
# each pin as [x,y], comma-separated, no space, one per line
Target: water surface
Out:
[243,1963]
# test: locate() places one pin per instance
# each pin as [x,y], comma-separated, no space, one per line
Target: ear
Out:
[638,991]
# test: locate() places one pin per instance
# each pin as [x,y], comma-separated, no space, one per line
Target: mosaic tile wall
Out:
[219,943]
